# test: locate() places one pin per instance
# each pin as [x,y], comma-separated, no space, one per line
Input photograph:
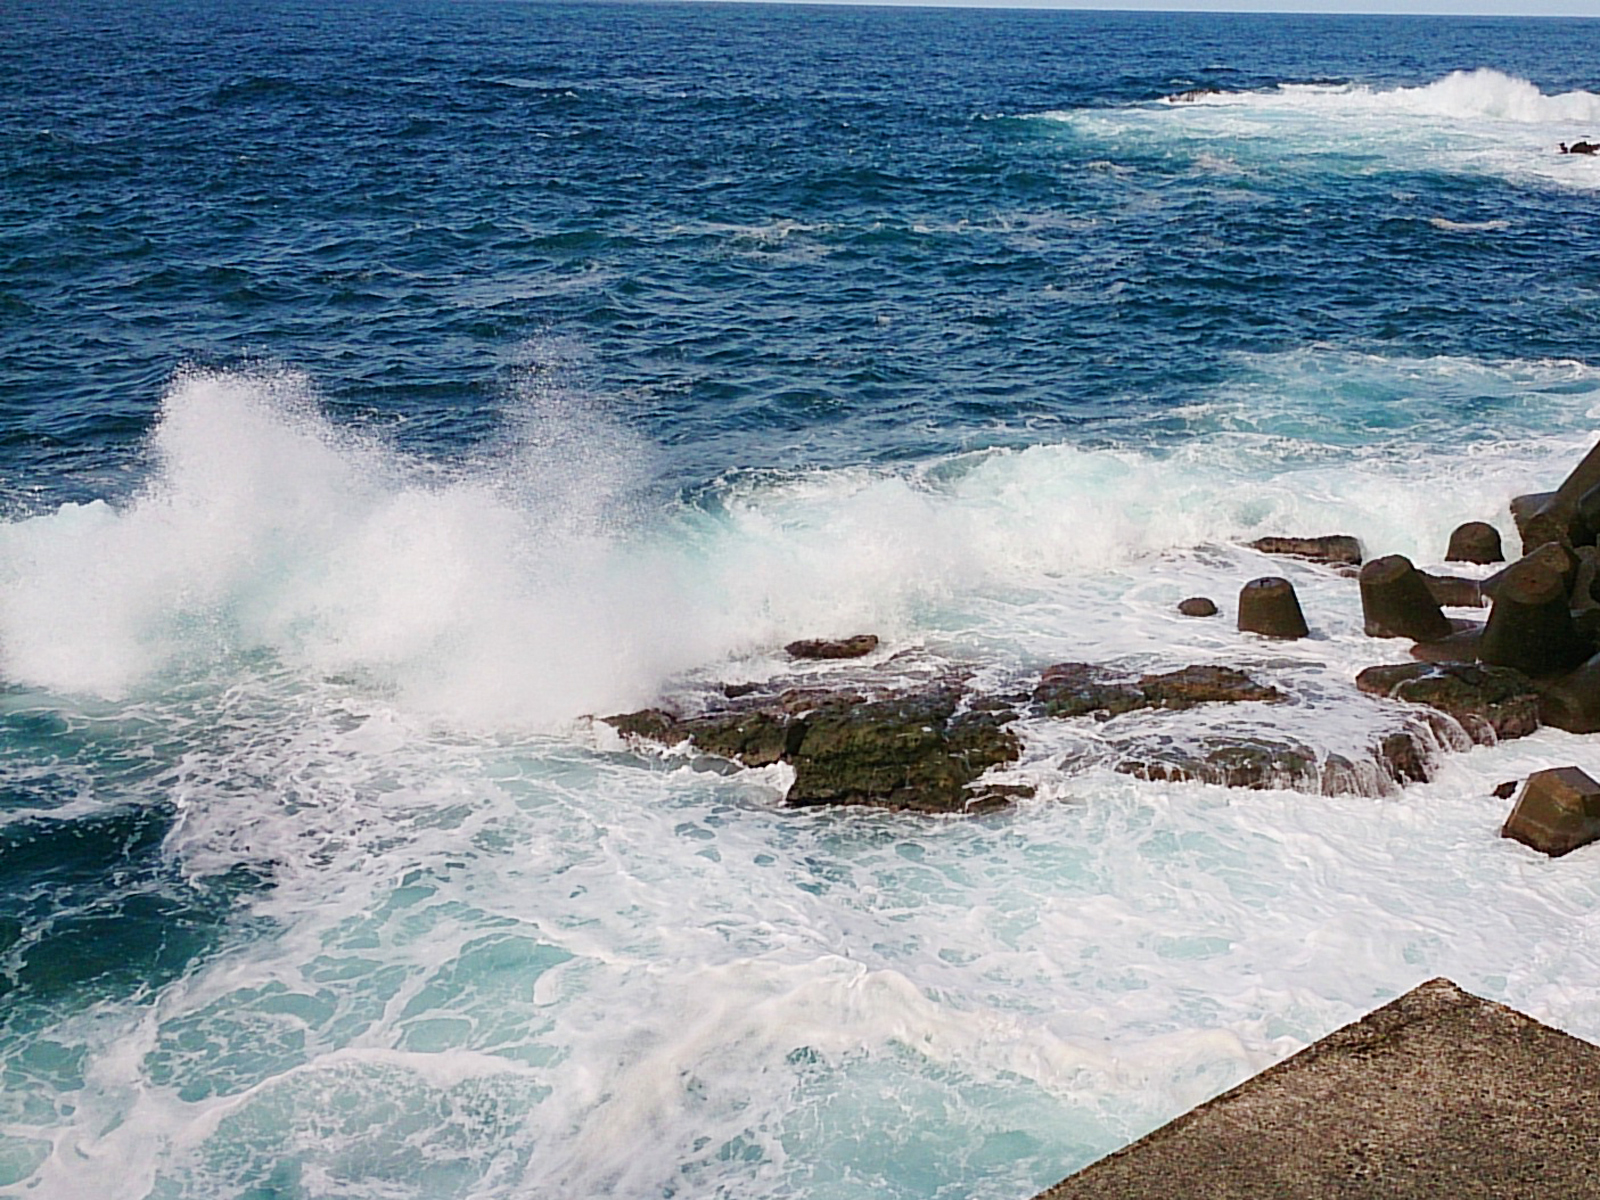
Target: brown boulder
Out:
[1557,811]
[1198,606]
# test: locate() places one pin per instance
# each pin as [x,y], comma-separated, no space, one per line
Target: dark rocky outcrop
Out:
[1489,703]
[1198,606]
[1269,606]
[920,749]
[911,752]
[1336,548]
[1557,811]
[1085,690]
[1082,689]
[1255,763]
[1260,763]
[859,646]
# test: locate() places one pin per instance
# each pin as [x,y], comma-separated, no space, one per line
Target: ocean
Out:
[388,390]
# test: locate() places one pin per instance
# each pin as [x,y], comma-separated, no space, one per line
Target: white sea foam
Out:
[530,589]
[1477,122]
[493,962]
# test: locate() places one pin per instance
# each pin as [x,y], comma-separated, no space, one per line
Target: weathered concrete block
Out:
[1396,602]
[1475,542]
[1269,606]
[1557,811]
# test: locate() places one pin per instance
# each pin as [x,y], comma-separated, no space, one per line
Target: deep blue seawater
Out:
[387,387]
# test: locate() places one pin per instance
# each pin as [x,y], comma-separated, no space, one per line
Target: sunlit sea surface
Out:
[387,390]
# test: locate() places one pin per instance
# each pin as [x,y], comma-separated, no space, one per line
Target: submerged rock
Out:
[1261,763]
[1198,606]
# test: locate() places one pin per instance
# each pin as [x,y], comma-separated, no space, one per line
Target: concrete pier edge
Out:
[1438,1093]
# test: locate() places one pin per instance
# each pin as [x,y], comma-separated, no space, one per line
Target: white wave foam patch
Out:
[528,588]
[1483,94]
[507,593]
[1478,122]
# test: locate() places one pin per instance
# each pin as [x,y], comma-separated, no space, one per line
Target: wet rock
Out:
[1571,700]
[1190,686]
[1266,763]
[1193,94]
[1460,647]
[908,752]
[859,646]
[1085,690]
[918,750]
[652,724]
[1489,703]
[1396,601]
[1082,689]
[756,739]
[1254,763]
[1557,811]
[1269,606]
[1337,548]
[1506,790]
[1475,542]
[1198,606]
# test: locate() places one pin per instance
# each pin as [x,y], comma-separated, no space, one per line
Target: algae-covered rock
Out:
[1082,689]
[920,749]
[1490,703]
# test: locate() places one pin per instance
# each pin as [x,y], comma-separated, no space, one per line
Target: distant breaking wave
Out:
[1481,94]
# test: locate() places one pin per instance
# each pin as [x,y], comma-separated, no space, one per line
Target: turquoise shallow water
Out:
[383,392]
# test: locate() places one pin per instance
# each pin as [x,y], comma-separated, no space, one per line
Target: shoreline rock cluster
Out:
[874,736]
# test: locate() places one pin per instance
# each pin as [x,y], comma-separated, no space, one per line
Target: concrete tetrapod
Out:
[1530,627]
[1396,602]
[1557,811]
[1269,606]
[1475,542]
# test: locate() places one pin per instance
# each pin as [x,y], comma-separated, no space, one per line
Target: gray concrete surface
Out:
[1438,1094]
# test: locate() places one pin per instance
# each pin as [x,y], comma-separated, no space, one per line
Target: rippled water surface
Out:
[386,390]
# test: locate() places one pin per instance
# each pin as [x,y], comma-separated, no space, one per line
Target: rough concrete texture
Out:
[1436,1094]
